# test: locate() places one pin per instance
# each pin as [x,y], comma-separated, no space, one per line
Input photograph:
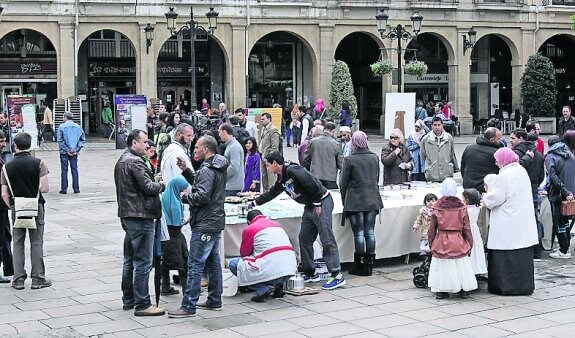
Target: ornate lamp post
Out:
[192,28]
[469,43]
[149,30]
[398,33]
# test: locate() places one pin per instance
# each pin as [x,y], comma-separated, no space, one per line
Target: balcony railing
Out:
[439,4]
[497,2]
[559,2]
[435,1]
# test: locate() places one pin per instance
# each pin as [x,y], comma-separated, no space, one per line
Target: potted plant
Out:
[381,68]
[341,89]
[417,68]
[539,91]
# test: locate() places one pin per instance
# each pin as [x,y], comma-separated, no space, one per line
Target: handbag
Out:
[568,208]
[25,208]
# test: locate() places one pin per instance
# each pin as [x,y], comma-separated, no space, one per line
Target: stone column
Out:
[146,67]
[322,82]
[462,98]
[237,64]
[66,61]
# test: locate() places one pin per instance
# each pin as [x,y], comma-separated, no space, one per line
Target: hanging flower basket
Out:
[417,68]
[381,68]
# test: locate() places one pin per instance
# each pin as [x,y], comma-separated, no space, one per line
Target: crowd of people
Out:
[178,167]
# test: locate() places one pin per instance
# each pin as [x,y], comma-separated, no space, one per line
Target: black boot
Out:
[358,265]
[369,261]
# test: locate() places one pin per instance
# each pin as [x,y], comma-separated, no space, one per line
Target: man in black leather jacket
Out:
[207,221]
[138,206]
[477,160]
[534,163]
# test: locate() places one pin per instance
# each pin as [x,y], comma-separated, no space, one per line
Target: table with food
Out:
[393,227]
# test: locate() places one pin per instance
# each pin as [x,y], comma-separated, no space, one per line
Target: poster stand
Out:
[131,114]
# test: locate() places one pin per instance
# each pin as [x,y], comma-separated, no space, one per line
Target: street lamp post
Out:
[398,33]
[192,28]
[468,43]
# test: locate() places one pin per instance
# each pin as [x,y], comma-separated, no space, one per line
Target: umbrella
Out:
[157,262]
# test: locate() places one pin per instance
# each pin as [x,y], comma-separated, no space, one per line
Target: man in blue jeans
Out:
[306,189]
[71,139]
[267,257]
[207,220]
[138,206]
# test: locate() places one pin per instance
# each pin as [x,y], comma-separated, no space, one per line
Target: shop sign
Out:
[111,69]
[28,67]
[427,78]
[172,69]
[443,78]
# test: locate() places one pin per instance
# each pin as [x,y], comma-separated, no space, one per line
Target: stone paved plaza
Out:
[83,249]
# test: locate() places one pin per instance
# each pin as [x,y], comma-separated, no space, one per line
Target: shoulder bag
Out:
[568,208]
[25,208]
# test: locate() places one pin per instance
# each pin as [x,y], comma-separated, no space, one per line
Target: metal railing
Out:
[513,2]
[440,1]
[559,2]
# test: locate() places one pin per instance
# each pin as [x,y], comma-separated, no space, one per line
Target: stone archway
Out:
[492,74]
[359,50]
[281,69]
[29,66]
[436,52]
[173,64]
[106,67]
[560,49]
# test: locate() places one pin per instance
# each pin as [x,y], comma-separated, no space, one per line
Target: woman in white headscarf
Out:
[450,241]
[512,227]
[413,144]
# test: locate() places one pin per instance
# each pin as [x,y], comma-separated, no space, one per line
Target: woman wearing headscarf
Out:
[414,144]
[361,200]
[175,250]
[345,115]
[396,159]
[512,227]
[450,241]
[320,112]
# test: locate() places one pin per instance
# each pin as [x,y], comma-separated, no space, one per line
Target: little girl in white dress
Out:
[472,198]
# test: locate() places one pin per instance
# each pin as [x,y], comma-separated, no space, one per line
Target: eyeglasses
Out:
[394,137]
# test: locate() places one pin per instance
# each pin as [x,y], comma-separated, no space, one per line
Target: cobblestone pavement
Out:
[83,249]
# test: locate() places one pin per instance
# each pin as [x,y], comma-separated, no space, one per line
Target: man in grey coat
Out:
[325,157]
[438,151]
[234,153]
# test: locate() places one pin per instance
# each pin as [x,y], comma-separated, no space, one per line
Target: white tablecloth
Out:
[393,233]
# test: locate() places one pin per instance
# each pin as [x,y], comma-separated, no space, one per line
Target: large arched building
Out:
[277,51]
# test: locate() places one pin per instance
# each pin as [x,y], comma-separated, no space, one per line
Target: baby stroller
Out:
[421,272]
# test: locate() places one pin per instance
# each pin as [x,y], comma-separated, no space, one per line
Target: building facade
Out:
[276,51]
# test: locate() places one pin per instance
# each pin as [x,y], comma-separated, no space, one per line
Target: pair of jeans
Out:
[260,288]
[204,252]
[313,224]
[6,244]
[296,135]
[538,248]
[36,248]
[288,132]
[560,227]
[362,225]
[73,160]
[138,257]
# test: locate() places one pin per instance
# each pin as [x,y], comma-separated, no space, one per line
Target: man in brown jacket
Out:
[270,139]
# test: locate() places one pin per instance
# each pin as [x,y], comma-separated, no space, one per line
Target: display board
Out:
[276,114]
[399,110]
[129,116]
[22,110]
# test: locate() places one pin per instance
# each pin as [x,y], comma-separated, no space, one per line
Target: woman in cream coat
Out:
[512,227]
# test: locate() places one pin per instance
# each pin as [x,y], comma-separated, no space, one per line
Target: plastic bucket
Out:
[230,283]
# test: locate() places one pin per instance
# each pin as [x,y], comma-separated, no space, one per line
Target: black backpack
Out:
[241,134]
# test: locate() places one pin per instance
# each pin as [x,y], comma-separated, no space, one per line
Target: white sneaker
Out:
[559,254]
